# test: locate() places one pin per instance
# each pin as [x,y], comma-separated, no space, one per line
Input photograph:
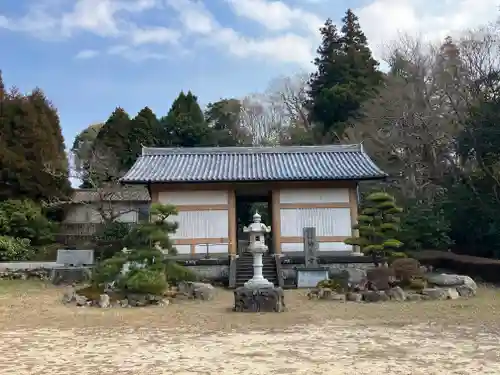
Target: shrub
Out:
[15,249]
[380,277]
[25,219]
[425,226]
[176,273]
[108,270]
[417,284]
[110,239]
[143,280]
[406,268]
[378,225]
[481,268]
[332,284]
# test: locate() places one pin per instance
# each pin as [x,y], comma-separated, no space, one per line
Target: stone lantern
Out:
[257,246]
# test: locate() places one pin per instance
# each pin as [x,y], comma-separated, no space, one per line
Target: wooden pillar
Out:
[353,203]
[276,221]
[231,209]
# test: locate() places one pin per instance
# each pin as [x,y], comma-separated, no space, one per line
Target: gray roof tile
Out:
[201,164]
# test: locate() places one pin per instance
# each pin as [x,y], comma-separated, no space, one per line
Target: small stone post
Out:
[257,247]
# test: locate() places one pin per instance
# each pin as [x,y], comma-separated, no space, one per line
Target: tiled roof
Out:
[333,162]
[128,194]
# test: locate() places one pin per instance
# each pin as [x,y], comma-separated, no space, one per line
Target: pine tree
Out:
[346,76]
[184,125]
[144,131]
[378,225]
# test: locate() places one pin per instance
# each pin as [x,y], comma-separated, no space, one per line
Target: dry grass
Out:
[315,337]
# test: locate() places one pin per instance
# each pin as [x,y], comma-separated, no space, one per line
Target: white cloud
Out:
[285,48]
[383,20]
[276,15]
[154,35]
[86,54]
[286,33]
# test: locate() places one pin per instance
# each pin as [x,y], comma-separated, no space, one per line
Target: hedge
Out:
[479,268]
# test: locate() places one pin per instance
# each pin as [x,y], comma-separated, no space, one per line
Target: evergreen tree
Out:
[110,147]
[33,160]
[378,226]
[82,152]
[223,117]
[144,131]
[346,76]
[184,125]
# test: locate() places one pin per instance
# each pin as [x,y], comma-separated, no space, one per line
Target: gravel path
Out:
[40,336]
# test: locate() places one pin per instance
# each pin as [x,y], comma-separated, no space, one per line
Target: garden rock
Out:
[466,291]
[104,301]
[414,297]
[81,300]
[443,280]
[205,292]
[196,290]
[375,296]
[259,300]
[137,300]
[396,294]
[354,297]
[337,297]
[69,296]
[469,282]
[435,293]
[357,276]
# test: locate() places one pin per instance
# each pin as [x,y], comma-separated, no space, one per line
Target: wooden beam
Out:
[353,203]
[233,243]
[319,239]
[315,205]
[202,207]
[200,241]
[276,220]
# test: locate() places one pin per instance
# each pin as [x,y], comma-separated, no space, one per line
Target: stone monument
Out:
[309,275]
[74,266]
[258,293]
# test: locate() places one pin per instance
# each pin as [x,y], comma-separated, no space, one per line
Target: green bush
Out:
[111,239]
[425,226]
[176,273]
[416,284]
[25,219]
[332,284]
[143,280]
[15,249]
[108,270]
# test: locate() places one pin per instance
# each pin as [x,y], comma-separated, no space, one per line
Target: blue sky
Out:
[90,56]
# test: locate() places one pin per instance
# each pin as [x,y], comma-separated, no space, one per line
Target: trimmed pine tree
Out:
[378,225]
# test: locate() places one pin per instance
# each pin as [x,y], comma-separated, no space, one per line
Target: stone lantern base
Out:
[259,299]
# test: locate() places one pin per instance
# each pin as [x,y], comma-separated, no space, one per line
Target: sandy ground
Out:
[41,336]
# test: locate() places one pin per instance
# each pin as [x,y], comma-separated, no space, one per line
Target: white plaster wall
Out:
[188,198]
[322,246]
[183,249]
[201,224]
[327,221]
[314,195]
[88,213]
[212,248]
